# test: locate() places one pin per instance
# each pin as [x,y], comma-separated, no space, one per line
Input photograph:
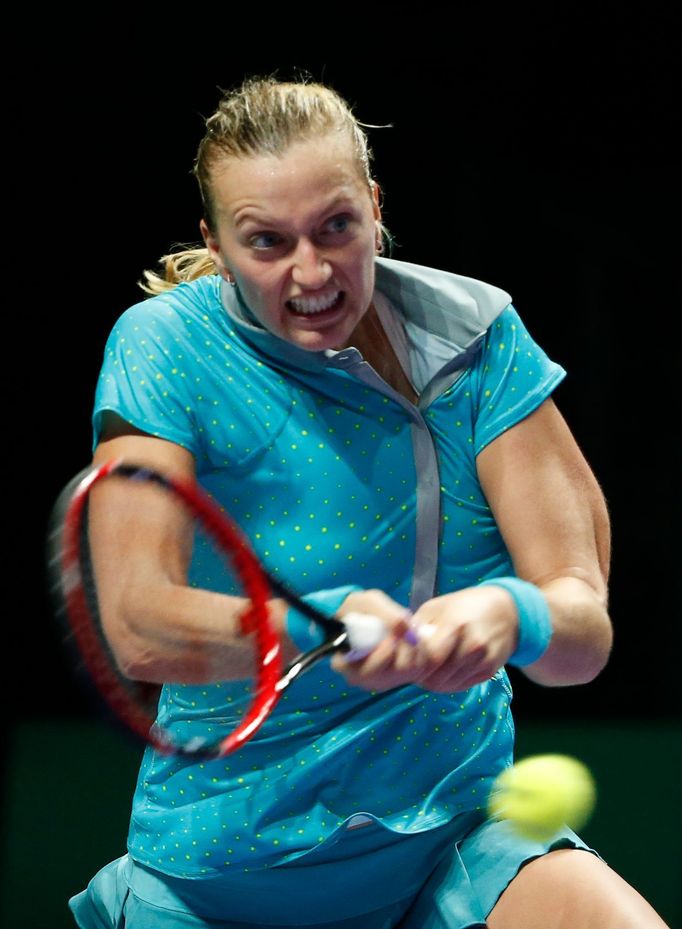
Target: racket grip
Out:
[366,631]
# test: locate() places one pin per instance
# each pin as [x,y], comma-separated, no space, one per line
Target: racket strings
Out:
[136,703]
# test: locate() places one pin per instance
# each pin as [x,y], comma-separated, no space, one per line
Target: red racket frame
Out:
[254,621]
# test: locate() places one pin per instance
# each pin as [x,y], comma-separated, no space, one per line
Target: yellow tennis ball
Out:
[540,794]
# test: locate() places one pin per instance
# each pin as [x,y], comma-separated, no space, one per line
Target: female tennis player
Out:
[384,434]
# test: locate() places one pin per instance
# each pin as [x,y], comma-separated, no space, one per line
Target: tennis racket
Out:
[134,703]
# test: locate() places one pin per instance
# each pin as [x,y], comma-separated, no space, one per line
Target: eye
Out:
[337,224]
[265,240]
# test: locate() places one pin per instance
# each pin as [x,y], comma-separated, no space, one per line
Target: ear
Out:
[376,207]
[376,200]
[214,251]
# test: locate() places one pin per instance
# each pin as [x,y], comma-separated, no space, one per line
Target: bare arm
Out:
[159,628]
[553,518]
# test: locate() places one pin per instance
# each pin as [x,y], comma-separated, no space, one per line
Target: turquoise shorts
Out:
[446,878]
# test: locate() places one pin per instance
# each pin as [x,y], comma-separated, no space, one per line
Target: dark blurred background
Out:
[541,156]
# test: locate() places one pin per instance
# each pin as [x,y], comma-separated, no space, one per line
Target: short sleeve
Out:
[511,378]
[144,377]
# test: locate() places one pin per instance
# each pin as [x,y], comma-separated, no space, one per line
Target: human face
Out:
[297,233]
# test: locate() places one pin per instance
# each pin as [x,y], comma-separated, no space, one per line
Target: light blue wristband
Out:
[535,620]
[304,632]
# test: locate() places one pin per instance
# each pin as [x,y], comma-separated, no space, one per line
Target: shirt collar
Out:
[456,308]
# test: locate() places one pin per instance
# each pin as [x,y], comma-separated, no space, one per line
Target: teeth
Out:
[314,304]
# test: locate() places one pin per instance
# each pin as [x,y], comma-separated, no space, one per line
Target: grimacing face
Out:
[298,234]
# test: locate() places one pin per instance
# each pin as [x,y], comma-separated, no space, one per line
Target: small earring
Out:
[230,279]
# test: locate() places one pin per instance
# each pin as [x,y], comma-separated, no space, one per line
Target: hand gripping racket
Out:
[75,587]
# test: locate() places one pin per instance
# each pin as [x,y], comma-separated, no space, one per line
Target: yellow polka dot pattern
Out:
[319,470]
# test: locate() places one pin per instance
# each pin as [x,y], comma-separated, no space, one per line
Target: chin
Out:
[317,341]
[334,336]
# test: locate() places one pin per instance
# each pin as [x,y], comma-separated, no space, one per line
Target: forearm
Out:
[170,632]
[581,634]
[553,518]
[160,628]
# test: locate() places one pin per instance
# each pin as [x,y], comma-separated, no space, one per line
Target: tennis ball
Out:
[540,794]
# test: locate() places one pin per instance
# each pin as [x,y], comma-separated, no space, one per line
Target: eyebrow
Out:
[249,213]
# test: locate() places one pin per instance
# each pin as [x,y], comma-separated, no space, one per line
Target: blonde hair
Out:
[263,116]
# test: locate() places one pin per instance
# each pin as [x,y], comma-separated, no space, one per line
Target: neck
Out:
[370,338]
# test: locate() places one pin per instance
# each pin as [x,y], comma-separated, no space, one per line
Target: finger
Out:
[454,679]
[383,680]
[437,642]
[378,658]
[403,627]
[372,601]
[409,660]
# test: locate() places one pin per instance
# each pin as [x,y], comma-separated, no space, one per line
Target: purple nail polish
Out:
[411,637]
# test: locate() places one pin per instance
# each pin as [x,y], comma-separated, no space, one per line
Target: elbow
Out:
[132,658]
[594,656]
[129,647]
[590,668]
[601,652]
[136,663]
[567,664]
[583,635]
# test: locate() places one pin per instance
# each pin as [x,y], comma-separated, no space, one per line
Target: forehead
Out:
[310,169]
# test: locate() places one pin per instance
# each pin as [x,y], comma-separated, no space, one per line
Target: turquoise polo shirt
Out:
[336,479]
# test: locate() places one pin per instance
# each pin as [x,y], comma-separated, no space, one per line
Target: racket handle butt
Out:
[364,634]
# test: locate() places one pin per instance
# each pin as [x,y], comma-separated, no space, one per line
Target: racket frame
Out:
[271,680]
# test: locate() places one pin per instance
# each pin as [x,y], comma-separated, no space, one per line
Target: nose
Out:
[310,269]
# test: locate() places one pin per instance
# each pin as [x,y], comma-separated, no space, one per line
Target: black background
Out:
[539,156]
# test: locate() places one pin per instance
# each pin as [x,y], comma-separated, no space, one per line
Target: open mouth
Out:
[317,308]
